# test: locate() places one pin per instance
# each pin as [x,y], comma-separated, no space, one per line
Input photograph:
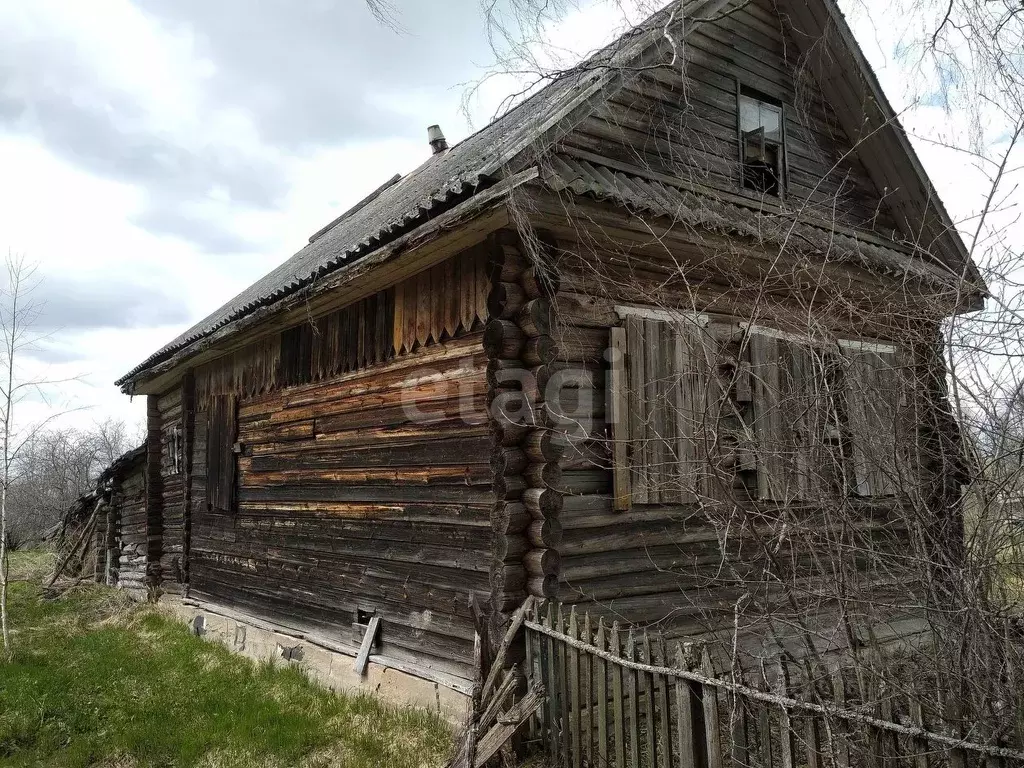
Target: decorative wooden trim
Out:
[619,421]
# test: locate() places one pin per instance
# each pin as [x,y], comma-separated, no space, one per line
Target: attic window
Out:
[761,143]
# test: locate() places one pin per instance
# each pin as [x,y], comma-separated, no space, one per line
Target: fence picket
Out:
[663,707]
[840,732]
[788,753]
[617,702]
[587,674]
[650,745]
[574,692]
[563,694]
[633,702]
[532,672]
[553,687]
[574,665]
[689,752]
[811,734]
[738,724]
[764,729]
[602,697]
[712,722]
[917,718]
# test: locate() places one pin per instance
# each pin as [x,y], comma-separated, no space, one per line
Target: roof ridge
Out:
[357,207]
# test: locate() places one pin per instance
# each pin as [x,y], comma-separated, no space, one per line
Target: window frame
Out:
[743,90]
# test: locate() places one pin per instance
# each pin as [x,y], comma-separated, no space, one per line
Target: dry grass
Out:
[100,681]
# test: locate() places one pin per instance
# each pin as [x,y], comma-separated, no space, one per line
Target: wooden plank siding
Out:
[365,490]
[662,560]
[684,123]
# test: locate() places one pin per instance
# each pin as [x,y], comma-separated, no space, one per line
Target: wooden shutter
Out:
[795,418]
[660,398]
[874,390]
[222,428]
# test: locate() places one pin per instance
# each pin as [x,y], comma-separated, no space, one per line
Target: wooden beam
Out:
[364,650]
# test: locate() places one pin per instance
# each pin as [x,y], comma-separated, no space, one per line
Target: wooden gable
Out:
[683,121]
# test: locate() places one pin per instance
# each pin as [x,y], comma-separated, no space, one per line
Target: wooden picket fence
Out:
[623,699]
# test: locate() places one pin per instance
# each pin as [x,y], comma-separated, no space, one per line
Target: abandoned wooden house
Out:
[559,357]
[105,533]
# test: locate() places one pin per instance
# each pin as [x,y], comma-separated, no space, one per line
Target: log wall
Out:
[367,492]
[682,122]
[129,499]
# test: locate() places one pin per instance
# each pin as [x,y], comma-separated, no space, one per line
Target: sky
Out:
[157,157]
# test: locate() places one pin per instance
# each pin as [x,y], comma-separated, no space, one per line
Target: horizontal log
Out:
[542,502]
[506,263]
[509,461]
[539,350]
[509,486]
[547,475]
[508,577]
[509,517]
[542,562]
[510,548]
[542,586]
[505,300]
[544,445]
[503,339]
[538,282]
[534,317]
[545,533]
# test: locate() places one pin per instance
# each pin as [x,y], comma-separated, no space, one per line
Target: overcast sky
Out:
[157,156]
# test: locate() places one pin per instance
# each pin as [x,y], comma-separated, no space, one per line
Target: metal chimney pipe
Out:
[438,143]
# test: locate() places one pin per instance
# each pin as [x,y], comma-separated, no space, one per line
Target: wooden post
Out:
[764,727]
[650,743]
[840,730]
[738,722]
[587,675]
[553,687]
[563,698]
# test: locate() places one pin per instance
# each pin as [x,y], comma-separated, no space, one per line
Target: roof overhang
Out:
[431,242]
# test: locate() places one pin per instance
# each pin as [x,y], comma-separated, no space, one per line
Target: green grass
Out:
[97,681]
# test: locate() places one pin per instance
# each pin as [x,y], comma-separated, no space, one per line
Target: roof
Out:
[509,143]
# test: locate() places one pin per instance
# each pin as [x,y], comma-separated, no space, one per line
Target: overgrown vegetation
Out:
[98,681]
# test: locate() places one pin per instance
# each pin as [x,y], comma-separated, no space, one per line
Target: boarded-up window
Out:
[222,429]
[875,389]
[796,417]
[664,397]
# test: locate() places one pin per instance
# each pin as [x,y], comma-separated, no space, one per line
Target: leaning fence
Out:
[622,698]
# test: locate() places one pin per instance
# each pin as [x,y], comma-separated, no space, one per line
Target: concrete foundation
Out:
[331,667]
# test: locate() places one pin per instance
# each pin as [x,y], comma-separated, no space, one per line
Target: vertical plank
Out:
[788,748]
[437,302]
[619,726]
[662,707]
[764,729]
[481,284]
[553,720]
[574,693]
[654,445]
[739,748]
[636,412]
[587,676]
[633,702]
[423,305]
[686,703]
[618,412]
[563,693]
[650,744]
[399,325]
[450,300]
[361,335]
[467,289]
[840,729]
[532,677]
[712,721]
[601,673]
[921,746]
[812,735]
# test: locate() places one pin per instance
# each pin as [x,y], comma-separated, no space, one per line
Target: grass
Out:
[98,681]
